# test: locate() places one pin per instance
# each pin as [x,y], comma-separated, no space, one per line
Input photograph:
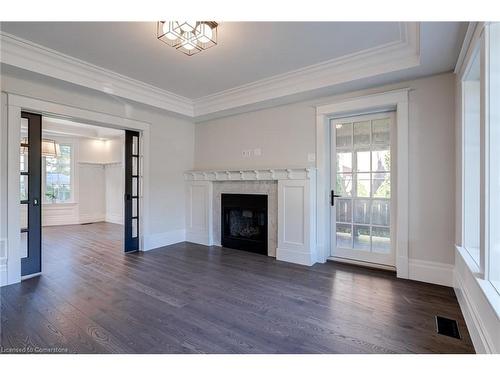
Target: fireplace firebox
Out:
[244,222]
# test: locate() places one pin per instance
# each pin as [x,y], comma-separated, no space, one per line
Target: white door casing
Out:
[396,100]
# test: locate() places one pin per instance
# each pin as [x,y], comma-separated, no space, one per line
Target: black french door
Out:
[131,221]
[30,184]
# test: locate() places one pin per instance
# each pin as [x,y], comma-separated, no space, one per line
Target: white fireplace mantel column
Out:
[296,208]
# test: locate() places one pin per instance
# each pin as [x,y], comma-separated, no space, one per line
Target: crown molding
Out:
[401,54]
[390,57]
[30,56]
[471,41]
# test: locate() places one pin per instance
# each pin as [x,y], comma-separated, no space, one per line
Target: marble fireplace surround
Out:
[291,208]
[269,188]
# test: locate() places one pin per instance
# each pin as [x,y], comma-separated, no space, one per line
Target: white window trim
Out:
[392,100]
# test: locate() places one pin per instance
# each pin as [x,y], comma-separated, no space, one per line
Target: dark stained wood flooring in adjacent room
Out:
[187,298]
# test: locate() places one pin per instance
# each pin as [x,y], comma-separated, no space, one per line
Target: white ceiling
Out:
[247,52]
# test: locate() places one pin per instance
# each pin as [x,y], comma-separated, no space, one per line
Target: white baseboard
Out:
[114,218]
[3,261]
[201,238]
[154,241]
[91,218]
[477,299]
[293,256]
[431,272]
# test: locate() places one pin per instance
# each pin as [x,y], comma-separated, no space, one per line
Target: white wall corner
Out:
[156,240]
[430,272]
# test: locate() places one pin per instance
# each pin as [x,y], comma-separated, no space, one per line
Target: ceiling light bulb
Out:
[204,33]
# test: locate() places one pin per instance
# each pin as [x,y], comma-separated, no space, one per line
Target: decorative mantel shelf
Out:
[251,174]
[296,216]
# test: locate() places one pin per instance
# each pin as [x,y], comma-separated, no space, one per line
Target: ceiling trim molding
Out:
[30,56]
[390,57]
[401,54]
[471,42]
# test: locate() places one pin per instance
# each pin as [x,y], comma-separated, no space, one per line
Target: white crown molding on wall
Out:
[33,57]
[394,56]
[386,58]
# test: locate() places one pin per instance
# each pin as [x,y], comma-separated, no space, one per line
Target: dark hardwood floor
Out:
[187,298]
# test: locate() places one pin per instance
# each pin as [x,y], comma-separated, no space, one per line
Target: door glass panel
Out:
[23,161]
[134,186]
[362,211]
[134,228]
[362,133]
[344,236]
[363,185]
[344,210]
[343,135]
[23,213]
[381,212]
[363,161]
[362,237]
[135,169]
[381,161]
[23,187]
[344,185]
[381,131]
[344,162]
[381,240]
[24,244]
[381,185]
[134,206]
[135,145]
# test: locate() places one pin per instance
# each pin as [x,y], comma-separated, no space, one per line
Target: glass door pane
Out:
[361,177]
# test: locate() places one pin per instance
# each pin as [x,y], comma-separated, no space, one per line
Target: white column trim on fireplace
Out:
[296,208]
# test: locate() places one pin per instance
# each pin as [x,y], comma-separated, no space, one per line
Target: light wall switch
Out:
[311,157]
[257,152]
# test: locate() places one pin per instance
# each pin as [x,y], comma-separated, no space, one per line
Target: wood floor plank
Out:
[189,298]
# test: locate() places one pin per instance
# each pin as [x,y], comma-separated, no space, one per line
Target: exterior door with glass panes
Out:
[362,188]
[131,220]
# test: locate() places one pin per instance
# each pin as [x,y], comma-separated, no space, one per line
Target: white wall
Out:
[171,144]
[286,135]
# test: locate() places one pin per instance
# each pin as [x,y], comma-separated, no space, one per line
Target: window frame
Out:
[481,270]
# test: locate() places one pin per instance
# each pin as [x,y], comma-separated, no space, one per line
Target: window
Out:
[471,87]
[494,156]
[57,173]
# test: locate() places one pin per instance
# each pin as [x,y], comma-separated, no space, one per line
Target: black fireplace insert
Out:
[244,222]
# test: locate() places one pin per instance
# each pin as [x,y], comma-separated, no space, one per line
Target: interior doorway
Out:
[79,186]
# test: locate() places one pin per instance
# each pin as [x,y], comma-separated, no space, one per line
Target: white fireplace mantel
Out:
[251,174]
[296,208]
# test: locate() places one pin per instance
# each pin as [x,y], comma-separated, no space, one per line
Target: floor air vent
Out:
[447,327]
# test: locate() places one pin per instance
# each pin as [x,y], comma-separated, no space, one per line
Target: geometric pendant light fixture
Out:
[189,37]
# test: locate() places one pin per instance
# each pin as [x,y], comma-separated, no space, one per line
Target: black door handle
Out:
[128,197]
[333,196]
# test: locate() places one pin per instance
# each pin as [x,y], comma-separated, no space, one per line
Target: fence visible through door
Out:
[362,188]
